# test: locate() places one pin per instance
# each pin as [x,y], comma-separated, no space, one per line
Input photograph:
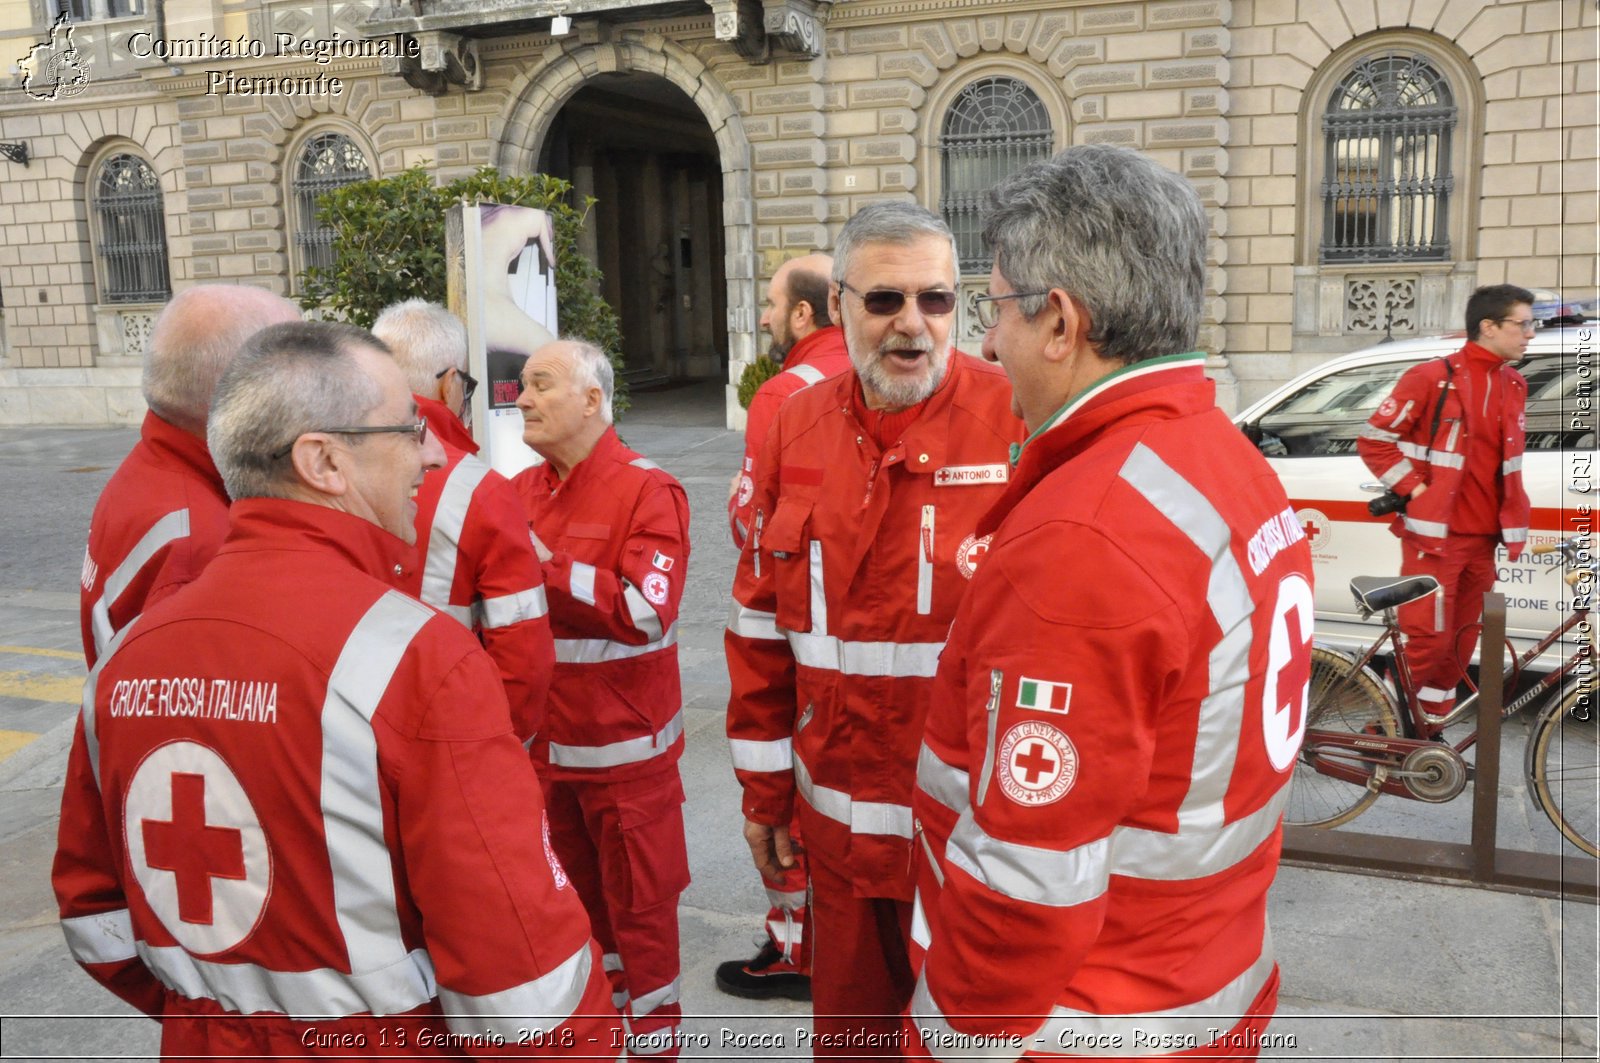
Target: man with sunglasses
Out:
[474,559]
[295,814]
[1449,441]
[866,494]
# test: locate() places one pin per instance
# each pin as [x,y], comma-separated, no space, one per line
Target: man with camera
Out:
[1448,444]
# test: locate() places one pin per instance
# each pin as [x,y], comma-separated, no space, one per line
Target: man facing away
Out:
[1120,702]
[617,529]
[296,819]
[1449,440]
[474,559]
[867,492]
[164,511]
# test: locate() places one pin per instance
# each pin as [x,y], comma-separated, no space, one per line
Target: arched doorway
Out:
[641,147]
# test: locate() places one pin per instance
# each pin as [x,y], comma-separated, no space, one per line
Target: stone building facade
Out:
[1366,163]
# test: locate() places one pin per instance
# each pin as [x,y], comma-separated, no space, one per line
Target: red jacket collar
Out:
[443,423]
[819,344]
[925,442]
[1481,357]
[180,447]
[284,524]
[607,448]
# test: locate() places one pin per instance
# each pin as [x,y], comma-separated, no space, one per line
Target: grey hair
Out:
[289,380]
[426,340]
[1120,233]
[194,338]
[889,223]
[593,371]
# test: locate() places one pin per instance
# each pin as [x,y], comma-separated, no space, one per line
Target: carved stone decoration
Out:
[1380,304]
[136,326]
[739,23]
[452,57]
[793,28]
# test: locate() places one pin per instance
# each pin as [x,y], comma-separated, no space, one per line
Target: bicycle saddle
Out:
[1374,594]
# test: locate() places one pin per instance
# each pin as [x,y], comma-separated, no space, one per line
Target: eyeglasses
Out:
[1528,325]
[469,383]
[418,432]
[886,302]
[989,312]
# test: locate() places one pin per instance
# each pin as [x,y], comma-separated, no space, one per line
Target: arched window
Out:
[328,161]
[995,126]
[132,230]
[1386,188]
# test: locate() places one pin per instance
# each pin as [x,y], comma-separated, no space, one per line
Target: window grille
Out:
[1386,190]
[996,126]
[93,10]
[329,161]
[133,232]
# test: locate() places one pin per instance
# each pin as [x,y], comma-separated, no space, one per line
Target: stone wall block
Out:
[766,184]
[1122,136]
[1019,28]
[801,182]
[804,237]
[897,178]
[887,94]
[964,36]
[1128,18]
[912,65]
[835,152]
[934,39]
[1205,101]
[883,150]
[897,120]
[1121,48]
[1070,54]
[790,211]
[1107,78]
[1209,41]
[853,68]
[1362,15]
[1185,73]
[1213,192]
[714,104]
[877,39]
[201,153]
[802,125]
[1049,29]
[787,154]
[1493,23]
[1189,13]
[245,150]
[761,127]
[992,33]
[1205,162]
[1088,108]
[791,98]
[738,76]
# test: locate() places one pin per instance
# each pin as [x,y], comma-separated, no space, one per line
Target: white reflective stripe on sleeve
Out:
[1401,416]
[751,755]
[653,1042]
[809,373]
[582,582]
[948,1045]
[1511,465]
[1397,472]
[643,463]
[1189,1024]
[943,782]
[1434,695]
[597,651]
[1514,535]
[1431,528]
[610,961]
[1028,873]
[788,899]
[105,937]
[542,1004]
[1372,431]
[507,609]
[461,613]
[444,538]
[302,995]
[628,751]
[753,623]
[351,789]
[915,660]
[819,594]
[1444,459]
[862,817]
[1194,853]
[91,736]
[921,933]
[645,1003]
[640,612]
[169,528]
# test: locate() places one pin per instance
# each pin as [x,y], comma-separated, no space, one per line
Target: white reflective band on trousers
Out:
[542,1004]
[597,651]
[750,755]
[908,660]
[105,937]
[168,529]
[615,754]
[1432,528]
[645,1003]
[862,817]
[507,609]
[753,623]
[444,538]
[1144,1034]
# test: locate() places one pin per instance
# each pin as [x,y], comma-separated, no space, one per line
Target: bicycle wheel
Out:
[1566,767]
[1342,701]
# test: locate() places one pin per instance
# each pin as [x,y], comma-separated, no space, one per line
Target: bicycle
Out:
[1358,745]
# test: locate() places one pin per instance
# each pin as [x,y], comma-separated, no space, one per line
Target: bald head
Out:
[196,337]
[797,301]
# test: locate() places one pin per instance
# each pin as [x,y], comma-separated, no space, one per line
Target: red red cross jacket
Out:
[811,360]
[842,599]
[294,793]
[161,516]
[474,560]
[1396,446]
[1111,739]
[619,529]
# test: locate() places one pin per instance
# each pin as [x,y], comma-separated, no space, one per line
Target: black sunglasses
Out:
[418,430]
[884,302]
[469,383]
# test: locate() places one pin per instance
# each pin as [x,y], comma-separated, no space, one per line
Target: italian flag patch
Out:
[1043,696]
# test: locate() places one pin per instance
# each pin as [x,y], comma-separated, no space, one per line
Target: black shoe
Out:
[765,977]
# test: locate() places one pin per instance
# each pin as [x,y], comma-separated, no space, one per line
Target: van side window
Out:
[1324,418]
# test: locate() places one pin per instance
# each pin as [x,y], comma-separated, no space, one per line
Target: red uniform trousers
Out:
[1439,629]
[861,978]
[622,845]
[786,919]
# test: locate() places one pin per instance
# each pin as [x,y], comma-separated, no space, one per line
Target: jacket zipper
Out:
[925,563]
[755,542]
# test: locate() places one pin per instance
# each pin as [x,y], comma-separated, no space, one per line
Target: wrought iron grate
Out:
[133,232]
[996,126]
[329,161]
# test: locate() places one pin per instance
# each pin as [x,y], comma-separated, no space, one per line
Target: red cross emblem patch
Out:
[1037,764]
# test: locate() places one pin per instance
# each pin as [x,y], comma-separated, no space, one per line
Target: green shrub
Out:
[755,374]
[389,239]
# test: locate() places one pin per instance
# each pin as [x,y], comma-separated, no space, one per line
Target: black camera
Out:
[1387,503]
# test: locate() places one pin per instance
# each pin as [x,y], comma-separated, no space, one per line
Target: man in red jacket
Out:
[867,492]
[1123,693]
[1449,440]
[296,819]
[164,512]
[617,529]
[474,559]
